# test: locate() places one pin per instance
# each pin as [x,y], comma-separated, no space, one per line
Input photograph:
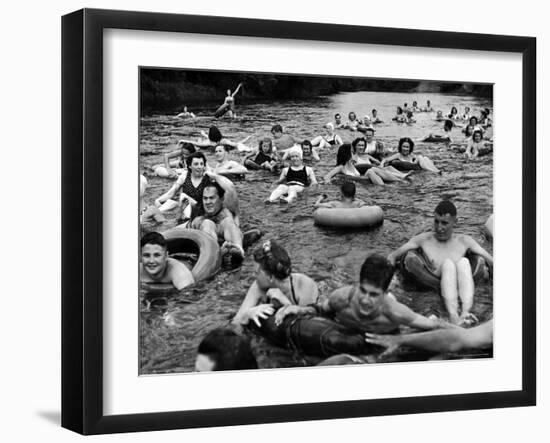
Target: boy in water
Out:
[157,267]
[347,199]
[281,141]
[446,254]
[368,306]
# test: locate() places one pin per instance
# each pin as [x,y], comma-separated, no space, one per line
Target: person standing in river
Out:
[230,101]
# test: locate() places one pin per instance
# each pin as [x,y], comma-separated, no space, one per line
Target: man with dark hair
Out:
[369,307]
[281,141]
[445,254]
[347,198]
[218,221]
[223,350]
[338,124]
[157,267]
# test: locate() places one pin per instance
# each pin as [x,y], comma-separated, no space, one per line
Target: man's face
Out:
[154,259]
[338,118]
[276,134]
[219,153]
[204,363]
[306,150]
[369,136]
[211,201]
[369,297]
[443,226]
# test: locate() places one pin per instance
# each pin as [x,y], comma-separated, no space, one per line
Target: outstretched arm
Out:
[250,310]
[475,248]
[333,172]
[403,315]
[236,90]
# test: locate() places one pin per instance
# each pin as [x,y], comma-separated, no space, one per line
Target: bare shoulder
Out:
[339,297]
[175,266]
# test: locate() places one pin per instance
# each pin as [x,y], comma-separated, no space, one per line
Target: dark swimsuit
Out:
[261,158]
[194,192]
[298,177]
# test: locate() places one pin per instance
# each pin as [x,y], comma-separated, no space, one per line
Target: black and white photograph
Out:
[294,220]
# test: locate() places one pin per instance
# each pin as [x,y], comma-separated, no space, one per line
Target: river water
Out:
[172,325]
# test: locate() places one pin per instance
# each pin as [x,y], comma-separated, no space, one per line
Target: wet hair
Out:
[193,156]
[354,114]
[307,143]
[187,146]
[454,109]
[227,350]
[266,140]
[213,184]
[348,189]
[445,207]
[405,105]
[477,131]
[153,238]
[473,117]
[273,259]
[337,115]
[369,128]
[344,154]
[405,140]
[377,270]
[214,134]
[356,141]
[448,125]
[399,110]
[277,128]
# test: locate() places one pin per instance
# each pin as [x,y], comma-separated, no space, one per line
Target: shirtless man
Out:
[157,267]
[281,141]
[218,221]
[368,306]
[446,252]
[347,200]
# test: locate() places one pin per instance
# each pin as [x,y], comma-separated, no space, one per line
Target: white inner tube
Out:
[362,217]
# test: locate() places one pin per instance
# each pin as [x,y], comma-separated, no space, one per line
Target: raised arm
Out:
[413,243]
[338,169]
[236,89]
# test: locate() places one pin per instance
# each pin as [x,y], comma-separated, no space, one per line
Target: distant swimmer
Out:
[374,118]
[352,122]
[439,117]
[445,254]
[338,123]
[400,116]
[281,140]
[453,115]
[215,138]
[185,114]
[157,267]
[327,140]
[466,116]
[228,105]
[475,145]
[445,136]
[347,198]
[294,180]
[368,306]
[428,107]
[264,158]
[415,107]
[405,155]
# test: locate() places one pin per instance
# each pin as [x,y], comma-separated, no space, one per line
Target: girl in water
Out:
[293,180]
[329,139]
[215,138]
[224,165]
[399,115]
[454,114]
[276,290]
[352,122]
[475,145]
[230,101]
[405,154]
[264,158]
[175,162]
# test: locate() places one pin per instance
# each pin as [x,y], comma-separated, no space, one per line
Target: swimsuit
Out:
[261,158]
[188,188]
[299,177]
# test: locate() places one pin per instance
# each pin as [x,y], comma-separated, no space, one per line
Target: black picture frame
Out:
[82,220]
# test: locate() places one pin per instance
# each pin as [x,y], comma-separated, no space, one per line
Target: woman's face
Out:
[352,116]
[406,148]
[266,147]
[295,159]
[219,153]
[454,110]
[360,147]
[197,167]
[477,137]
[473,121]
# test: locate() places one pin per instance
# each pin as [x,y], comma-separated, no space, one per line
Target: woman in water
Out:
[175,162]
[215,138]
[466,116]
[352,122]
[185,114]
[230,101]
[428,107]
[471,127]
[475,145]
[453,114]
[400,117]
[276,289]
[445,137]
[264,158]
[293,180]
[224,165]
[374,119]
[415,107]
[329,139]
[405,154]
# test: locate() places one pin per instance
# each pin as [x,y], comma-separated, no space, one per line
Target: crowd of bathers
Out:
[204,197]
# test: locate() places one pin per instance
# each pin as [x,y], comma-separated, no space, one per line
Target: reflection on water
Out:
[173,324]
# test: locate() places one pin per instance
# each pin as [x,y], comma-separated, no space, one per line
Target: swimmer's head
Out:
[154,254]
[214,134]
[212,198]
[277,131]
[348,189]
[374,112]
[329,126]
[352,116]
[222,350]
[407,144]
[477,135]
[344,154]
[220,152]
[466,109]
[415,103]
[266,145]
[376,271]
[409,114]
[196,163]
[444,220]
[369,133]
[359,145]
[228,92]
[273,262]
[454,110]
[439,114]
[338,118]
[399,110]
[428,102]
[406,105]
[473,120]
[186,148]
[306,147]
[295,157]
[448,125]
[366,119]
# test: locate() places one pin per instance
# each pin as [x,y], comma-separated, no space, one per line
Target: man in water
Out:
[347,199]
[281,141]
[338,124]
[368,306]
[157,267]
[446,254]
[217,220]
[442,340]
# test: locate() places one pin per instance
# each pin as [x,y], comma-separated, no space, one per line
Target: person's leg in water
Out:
[210,228]
[232,250]
[426,164]
[397,174]
[278,193]
[320,142]
[374,177]
[465,291]
[449,283]
[293,192]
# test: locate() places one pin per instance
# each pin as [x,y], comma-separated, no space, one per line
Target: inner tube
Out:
[489,227]
[400,165]
[183,241]
[415,268]
[221,110]
[316,336]
[363,217]
[363,167]
[437,139]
